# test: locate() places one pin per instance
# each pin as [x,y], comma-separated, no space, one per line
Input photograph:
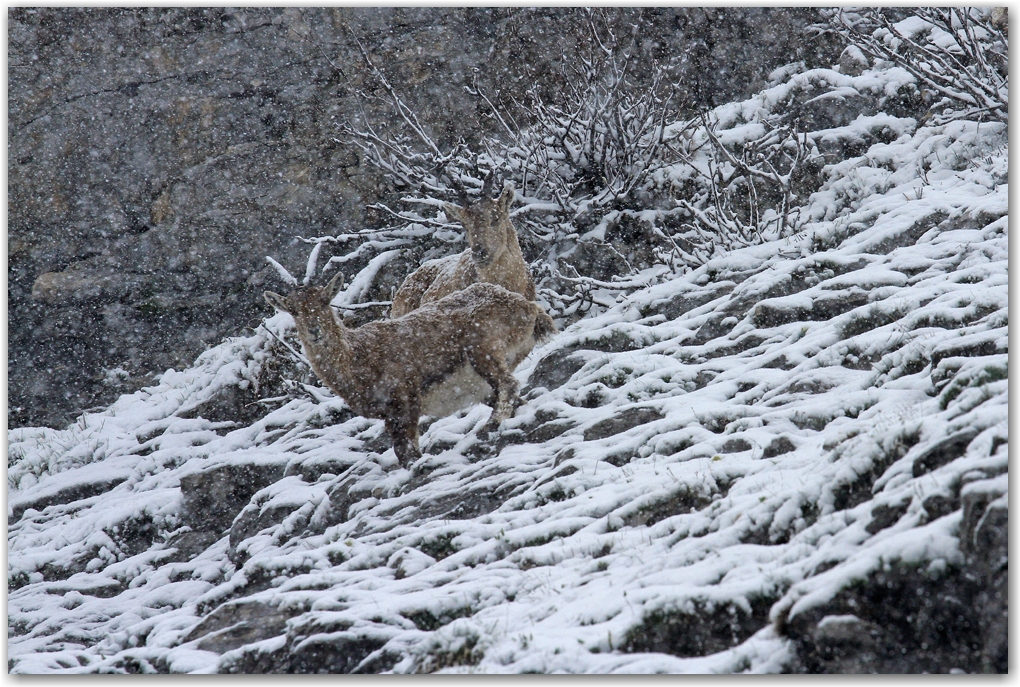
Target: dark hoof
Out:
[407,462]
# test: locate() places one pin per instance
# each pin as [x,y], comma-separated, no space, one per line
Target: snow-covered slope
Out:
[721,473]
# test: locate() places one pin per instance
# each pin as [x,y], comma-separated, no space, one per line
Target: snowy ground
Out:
[743,441]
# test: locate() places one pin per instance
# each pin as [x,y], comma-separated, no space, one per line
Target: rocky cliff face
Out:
[157,155]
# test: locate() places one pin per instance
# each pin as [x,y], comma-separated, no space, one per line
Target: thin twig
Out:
[300,358]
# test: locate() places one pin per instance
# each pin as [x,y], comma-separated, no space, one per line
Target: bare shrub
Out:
[578,161]
[959,54]
[741,191]
[618,189]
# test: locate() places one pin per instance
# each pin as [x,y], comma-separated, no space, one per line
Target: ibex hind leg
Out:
[506,404]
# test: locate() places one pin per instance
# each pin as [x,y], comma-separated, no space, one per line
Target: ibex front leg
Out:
[403,429]
[492,367]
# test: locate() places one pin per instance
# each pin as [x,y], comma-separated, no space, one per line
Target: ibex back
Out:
[494,256]
[443,356]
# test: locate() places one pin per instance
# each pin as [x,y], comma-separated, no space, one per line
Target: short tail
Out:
[544,325]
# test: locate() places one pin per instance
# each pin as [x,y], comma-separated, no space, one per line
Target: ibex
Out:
[493,255]
[444,356]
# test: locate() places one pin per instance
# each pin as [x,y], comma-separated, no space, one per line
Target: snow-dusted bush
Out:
[618,189]
[601,214]
[959,55]
[577,165]
[741,186]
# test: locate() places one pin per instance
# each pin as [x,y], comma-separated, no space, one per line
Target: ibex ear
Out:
[275,300]
[453,212]
[506,198]
[335,285]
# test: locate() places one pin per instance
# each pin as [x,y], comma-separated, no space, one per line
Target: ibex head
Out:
[306,295]
[486,222]
[307,303]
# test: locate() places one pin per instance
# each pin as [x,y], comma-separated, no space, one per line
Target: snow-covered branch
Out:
[960,55]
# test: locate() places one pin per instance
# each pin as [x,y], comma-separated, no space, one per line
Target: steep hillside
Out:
[792,458]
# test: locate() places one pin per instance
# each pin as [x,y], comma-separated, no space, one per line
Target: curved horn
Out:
[487,184]
[313,261]
[457,185]
[286,276]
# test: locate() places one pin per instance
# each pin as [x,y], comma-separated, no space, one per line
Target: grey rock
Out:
[710,628]
[951,349]
[852,61]
[984,538]
[214,496]
[773,314]
[250,521]
[626,419]
[989,555]
[555,369]
[465,506]
[717,326]
[778,447]
[943,452]
[908,619]
[345,652]
[907,237]
[920,619]
[855,641]
[845,629]
[547,431]
[886,515]
[680,501]
[81,490]
[675,306]
[736,445]
[615,341]
[235,624]
[188,544]
[939,505]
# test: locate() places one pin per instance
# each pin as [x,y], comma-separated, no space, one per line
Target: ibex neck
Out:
[328,346]
[504,258]
[513,246]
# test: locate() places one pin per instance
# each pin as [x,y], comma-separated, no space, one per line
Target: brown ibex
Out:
[493,254]
[444,356]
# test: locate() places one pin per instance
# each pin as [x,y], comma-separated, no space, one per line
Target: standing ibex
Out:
[493,255]
[442,357]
